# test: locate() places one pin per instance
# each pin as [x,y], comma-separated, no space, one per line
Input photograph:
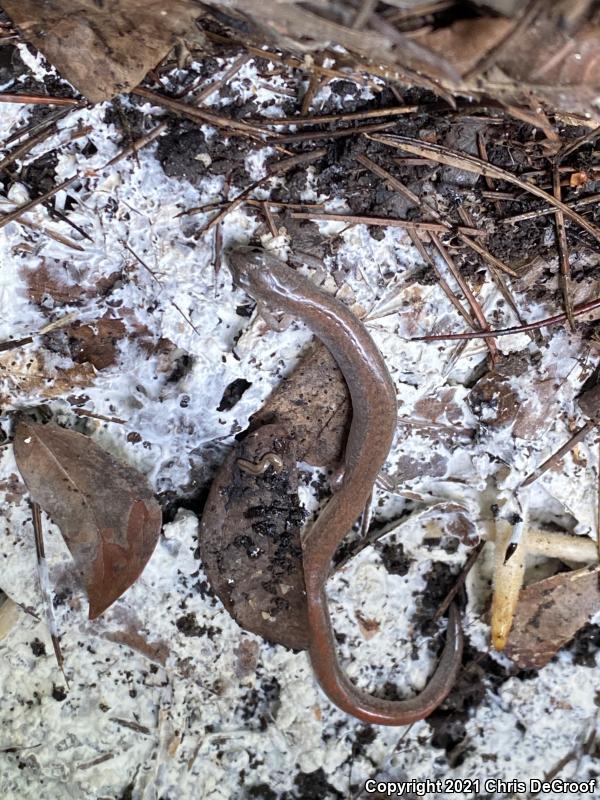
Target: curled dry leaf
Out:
[105,510]
[250,530]
[549,613]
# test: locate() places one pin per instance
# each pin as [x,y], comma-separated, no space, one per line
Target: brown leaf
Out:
[250,529]
[467,41]
[537,411]
[105,510]
[441,405]
[368,627]
[46,282]
[103,48]
[130,633]
[314,403]
[549,613]
[589,401]
[96,343]
[40,374]
[250,538]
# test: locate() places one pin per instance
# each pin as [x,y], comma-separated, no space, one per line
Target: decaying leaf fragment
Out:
[105,510]
[549,614]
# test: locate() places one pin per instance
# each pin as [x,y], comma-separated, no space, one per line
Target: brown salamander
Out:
[278,288]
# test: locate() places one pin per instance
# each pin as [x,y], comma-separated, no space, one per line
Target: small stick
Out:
[187,110]
[337,134]
[269,217]
[289,61]
[441,280]
[45,586]
[231,206]
[497,195]
[489,58]
[46,122]
[134,726]
[173,303]
[445,604]
[294,161]
[54,212]
[82,412]
[495,273]
[58,237]
[362,15]
[540,212]
[275,169]
[563,249]
[420,9]
[581,308]
[587,138]
[12,344]
[598,507]
[135,147]
[444,155]
[355,219]
[314,84]
[14,215]
[487,256]
[227,75]
[27,145]
[577,437]
[469,296]
[218,250]
[41,100]
[389,178]
[481,146]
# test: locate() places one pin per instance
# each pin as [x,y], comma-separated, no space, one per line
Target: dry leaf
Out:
[96,342]
[105,510]
[104,48]
[41,375]
[314,403]
[549,613]
[250,538]
[589,401]
[368,627]
[467,41]
[250,530]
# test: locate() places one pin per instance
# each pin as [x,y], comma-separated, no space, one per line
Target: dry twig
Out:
[444,155]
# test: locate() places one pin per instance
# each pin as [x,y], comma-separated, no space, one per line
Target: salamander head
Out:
[258,272]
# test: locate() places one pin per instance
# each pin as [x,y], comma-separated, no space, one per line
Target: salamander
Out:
[278,288]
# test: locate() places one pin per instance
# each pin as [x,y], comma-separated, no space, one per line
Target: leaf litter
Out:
[177,414]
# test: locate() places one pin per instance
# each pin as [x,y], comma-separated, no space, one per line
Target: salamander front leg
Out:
[276,320]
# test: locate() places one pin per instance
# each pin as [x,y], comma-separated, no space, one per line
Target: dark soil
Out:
[511,144]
